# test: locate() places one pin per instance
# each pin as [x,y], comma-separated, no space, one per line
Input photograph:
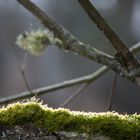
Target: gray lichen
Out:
[36,41]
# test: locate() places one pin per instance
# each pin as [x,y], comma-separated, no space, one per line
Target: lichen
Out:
[111,124]
[36,41]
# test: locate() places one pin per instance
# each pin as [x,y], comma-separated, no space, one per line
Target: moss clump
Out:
[114,125]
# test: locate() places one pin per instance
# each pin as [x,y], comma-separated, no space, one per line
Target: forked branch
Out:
[129,60]
[65,84]
[71,43]
[45,90]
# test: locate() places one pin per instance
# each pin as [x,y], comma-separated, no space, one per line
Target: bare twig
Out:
[65,84]
[128,59]
[112,93]
[74,95]
[135,48]
[48,89]
[22,68]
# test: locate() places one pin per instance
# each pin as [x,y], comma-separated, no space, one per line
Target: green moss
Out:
[114,125]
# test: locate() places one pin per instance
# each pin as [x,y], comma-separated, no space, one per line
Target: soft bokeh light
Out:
[135,20]
[107,6]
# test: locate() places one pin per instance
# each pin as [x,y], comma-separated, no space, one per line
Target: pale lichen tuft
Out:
[36,41]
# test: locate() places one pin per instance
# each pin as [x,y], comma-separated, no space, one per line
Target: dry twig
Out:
[55,87]
[127,57]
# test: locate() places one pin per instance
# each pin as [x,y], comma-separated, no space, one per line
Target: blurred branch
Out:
[135,48]
[22,68]
[65,84]
[85,79]
[70,43]
[112,93]
[129,60]
[76,93]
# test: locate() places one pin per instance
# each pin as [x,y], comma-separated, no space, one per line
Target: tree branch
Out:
[65,84]
[73,96]
[22,68]
[112,92]
[70,43]
[128,59]
[45,90]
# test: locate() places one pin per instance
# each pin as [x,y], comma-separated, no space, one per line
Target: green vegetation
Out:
[114,125]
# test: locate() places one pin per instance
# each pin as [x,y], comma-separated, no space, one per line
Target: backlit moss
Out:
[114,125]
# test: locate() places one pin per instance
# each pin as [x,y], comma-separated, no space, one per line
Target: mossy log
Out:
[32,120]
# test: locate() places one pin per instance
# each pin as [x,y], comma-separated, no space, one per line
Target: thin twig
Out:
[112,92]
[22,68]
[135,48]
[77,92]
[48,89]
[122,49]
[55,87]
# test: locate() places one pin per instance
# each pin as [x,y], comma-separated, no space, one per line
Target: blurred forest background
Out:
[54,66]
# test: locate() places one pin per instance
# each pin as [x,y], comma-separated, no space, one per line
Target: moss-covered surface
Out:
[114,125]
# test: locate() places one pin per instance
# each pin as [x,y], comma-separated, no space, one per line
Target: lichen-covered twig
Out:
[65,84]
[70,43]
[83,50]
[129,60]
